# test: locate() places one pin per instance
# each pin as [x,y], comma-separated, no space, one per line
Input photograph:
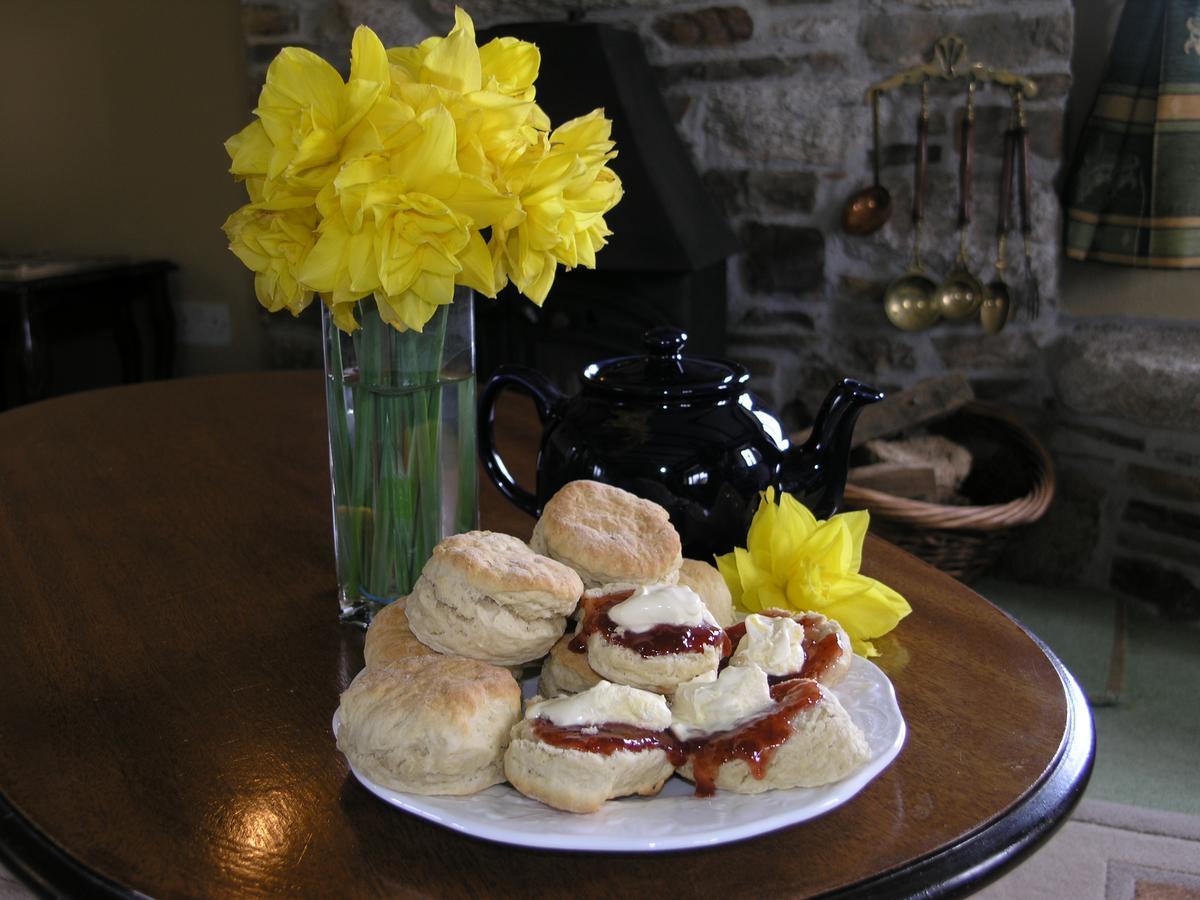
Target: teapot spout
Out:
[815,472]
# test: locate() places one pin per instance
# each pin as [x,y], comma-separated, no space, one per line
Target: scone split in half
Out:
[655,637]
[574,753]
[789,645]
[740,734]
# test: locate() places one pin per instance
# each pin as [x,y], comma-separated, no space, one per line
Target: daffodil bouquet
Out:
[430,171]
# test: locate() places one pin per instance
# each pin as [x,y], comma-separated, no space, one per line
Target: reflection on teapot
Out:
[682,431]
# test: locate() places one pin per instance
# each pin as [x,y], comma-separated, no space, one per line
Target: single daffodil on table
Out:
[792,560]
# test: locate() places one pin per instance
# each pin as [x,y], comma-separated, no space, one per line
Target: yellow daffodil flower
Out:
[794,561]
[273,243]
[404,227]
[306,111]
[565,188]
[430,167]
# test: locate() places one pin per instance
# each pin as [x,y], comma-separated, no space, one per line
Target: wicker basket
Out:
[966,540]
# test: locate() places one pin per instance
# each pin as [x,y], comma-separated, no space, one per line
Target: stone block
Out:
[752,191]
[713,26]
[780,121]
[770,325]
[1099,434]
[1001,39]
[805,27]
[1141,372]
[869,354]
[1175,523]
[783,258]
[1173,593]
[1007,350]
[1172,486]
[854,287]
[812,64]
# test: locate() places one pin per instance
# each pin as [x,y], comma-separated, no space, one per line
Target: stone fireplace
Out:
[768,97]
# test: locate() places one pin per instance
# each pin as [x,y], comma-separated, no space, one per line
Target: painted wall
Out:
[114,114]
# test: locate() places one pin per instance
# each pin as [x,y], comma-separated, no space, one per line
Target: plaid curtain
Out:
[1134,195]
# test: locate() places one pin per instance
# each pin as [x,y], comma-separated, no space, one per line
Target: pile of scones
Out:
[438,707]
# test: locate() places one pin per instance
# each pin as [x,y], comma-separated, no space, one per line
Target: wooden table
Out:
[172,656]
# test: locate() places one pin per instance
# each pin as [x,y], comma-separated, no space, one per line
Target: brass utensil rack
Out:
[950,63]
[912,311]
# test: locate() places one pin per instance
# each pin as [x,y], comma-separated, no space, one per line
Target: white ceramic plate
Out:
[675,819]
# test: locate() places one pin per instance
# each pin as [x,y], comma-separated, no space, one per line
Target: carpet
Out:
[1111,851]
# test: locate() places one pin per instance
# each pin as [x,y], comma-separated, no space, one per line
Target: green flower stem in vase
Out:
[401,409]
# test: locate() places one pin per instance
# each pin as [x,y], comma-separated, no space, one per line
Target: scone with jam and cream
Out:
[576,752]
[741,734]
[789,645]
[655,637]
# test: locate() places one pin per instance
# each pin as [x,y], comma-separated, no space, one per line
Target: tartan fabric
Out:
[1134,196]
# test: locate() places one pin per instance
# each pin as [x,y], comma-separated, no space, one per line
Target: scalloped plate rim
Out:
[589,833]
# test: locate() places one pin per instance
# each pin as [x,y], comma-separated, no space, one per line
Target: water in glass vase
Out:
[402,456]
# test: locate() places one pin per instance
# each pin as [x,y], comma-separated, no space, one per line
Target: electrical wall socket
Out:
[203,324]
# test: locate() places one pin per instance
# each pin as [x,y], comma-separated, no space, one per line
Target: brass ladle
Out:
[997,300]
[961,293]
[869,209]
[910,302]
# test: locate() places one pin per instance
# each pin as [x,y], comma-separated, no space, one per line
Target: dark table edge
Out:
[46,868]
[998,846]
[977,859]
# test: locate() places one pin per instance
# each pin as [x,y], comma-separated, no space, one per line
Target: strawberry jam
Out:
[656,641]
[753,742]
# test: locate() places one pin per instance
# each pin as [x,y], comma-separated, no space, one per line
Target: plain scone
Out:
[390,639]
[825,746]
[706,581]
[430,724]
[609,536]
[566,672]
[490,597]
[578,781]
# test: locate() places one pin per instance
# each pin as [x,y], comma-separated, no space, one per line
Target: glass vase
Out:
[401,411]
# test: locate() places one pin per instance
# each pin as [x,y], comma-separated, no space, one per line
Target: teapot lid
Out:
[664,372]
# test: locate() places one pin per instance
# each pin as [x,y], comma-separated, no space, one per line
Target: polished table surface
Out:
[171,658]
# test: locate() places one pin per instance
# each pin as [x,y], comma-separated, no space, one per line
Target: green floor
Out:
[1147,737]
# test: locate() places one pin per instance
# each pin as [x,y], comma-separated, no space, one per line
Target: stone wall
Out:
[768,96]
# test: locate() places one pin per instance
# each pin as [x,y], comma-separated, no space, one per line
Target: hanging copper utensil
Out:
[869,209]
[1033,297]
[997,301]
[961,293]
[909,301]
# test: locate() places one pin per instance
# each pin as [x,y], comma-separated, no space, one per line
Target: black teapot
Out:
[682,431]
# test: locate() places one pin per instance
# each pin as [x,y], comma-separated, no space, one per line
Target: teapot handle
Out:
[548,400]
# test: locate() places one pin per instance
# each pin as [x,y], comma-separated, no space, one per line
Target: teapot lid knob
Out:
[664,340]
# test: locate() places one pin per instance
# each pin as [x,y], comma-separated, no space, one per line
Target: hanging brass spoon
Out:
[997,301]
[961,293]
[869,209]
[909,302]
